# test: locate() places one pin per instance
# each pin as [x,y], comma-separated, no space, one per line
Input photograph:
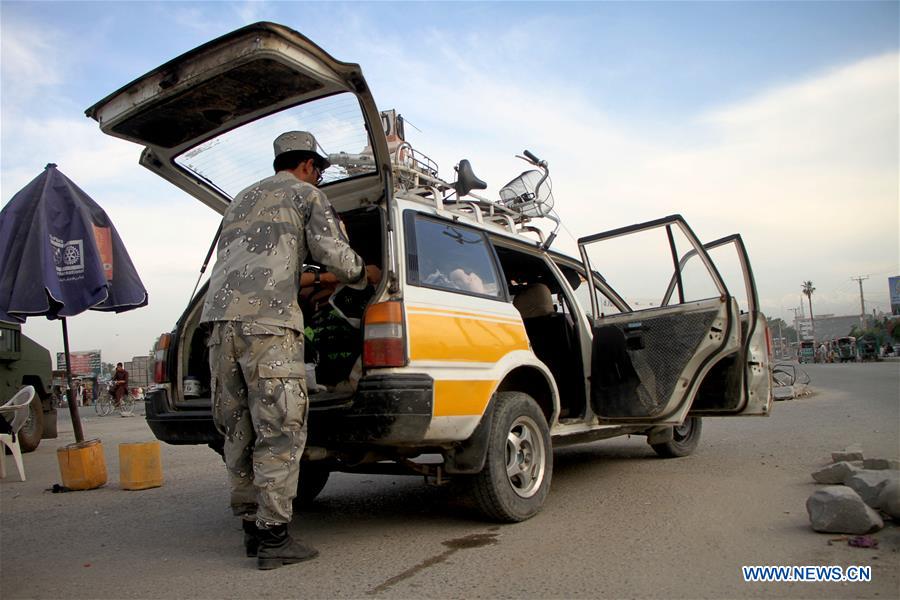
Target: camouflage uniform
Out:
[256,346]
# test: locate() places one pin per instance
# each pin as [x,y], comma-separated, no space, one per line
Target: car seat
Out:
[551,337]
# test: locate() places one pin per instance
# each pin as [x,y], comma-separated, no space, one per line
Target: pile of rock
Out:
[857,488]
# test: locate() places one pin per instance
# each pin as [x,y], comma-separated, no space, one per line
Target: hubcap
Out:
[683,431]
[526,457]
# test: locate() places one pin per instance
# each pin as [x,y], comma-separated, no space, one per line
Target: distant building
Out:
[138,371]
[828,327]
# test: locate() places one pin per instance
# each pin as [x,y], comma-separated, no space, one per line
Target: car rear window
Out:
[240,157]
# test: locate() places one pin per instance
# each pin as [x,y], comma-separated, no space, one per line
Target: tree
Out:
[808,289]
[780,327]
[106,370]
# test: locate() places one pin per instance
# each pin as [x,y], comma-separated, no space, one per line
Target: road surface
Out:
[619,522]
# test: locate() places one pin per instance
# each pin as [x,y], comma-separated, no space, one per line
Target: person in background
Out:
[120,381]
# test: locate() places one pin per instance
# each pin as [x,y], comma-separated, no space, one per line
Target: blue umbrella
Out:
[60,255]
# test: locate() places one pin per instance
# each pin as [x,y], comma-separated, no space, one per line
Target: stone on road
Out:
[889,500]
[835,473]
[838,509]
[868,484]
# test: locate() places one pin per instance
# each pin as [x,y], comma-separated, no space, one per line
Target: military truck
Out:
[25,362]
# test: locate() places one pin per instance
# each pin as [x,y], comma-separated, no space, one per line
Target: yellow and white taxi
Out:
[482,348]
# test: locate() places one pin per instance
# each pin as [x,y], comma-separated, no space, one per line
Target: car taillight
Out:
[384,339]
[160,372]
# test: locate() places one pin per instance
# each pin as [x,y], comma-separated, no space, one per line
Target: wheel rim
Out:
[526,457]
[683,431]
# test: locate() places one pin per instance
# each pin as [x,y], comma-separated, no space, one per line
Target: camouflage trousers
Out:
[260,406]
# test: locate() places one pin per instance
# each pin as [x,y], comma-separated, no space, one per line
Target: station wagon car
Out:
[482,345]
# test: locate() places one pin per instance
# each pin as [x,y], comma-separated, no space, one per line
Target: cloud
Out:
[807,172]
[30,59]
[249,11]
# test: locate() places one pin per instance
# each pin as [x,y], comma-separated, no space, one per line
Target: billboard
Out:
[894,285]
[83,363]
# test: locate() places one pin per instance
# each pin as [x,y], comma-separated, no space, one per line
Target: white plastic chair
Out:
[17,408]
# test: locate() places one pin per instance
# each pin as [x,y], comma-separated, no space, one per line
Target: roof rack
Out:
[416,177]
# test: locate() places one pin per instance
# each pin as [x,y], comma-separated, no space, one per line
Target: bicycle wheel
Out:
[107,405]
[127,405]
[100,406]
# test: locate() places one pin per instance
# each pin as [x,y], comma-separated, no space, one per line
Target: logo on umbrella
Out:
[68,256]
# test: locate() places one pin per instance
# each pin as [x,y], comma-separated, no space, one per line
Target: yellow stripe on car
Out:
[462,338]
[461,397]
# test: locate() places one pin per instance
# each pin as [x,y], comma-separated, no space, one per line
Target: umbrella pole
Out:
[73,402]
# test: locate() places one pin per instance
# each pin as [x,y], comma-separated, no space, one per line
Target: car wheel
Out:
[685,438]
[313,477]
[33,429]
[518,467]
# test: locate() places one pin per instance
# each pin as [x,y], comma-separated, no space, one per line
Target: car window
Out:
[729,266]
[583,297]
[244,155]
[449,257]
[640,265]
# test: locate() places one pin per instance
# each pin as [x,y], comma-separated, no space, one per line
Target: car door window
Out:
[641,265]
[644,359]
[449,257]
[583,297]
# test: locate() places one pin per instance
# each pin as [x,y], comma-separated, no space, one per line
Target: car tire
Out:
[30,435]
[685,439]
[313,477]
[518,467]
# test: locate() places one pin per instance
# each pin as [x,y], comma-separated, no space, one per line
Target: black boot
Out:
[278,548]
[251,537]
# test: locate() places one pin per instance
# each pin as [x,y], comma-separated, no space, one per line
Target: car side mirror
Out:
[466,181]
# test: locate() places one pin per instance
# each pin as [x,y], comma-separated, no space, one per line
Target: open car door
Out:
[740,384]
[207,118]
[649,360]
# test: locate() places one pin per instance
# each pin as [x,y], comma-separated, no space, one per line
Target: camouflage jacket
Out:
[266,233]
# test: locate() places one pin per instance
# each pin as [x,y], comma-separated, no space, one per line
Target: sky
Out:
[775,120]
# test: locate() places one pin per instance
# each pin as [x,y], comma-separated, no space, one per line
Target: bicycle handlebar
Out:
[532,157]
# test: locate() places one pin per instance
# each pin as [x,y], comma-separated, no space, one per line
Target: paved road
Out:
[619,522]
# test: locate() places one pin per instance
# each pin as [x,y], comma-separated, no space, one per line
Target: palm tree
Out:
[808,289]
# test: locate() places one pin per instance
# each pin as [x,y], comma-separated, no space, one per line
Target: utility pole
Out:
[780,340]
[862,302]
[797,328]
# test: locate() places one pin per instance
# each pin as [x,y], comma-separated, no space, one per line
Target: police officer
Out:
[256,343]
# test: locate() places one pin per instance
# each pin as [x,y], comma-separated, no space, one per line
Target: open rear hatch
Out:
[207,120]
[236,80]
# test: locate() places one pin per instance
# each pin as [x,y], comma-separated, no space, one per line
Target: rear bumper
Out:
[179,426]
[387,409]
